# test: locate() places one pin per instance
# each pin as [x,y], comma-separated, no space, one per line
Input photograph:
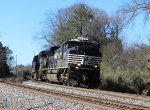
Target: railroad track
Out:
[117,94]
[104,104]
[101,94]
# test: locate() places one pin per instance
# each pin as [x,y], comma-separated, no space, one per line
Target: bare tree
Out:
[74,21]
[55,22]
[132,9]
[98,26]
[115,25]
[64,23]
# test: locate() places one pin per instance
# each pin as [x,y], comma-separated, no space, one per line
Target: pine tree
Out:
[77,25]
[5,58]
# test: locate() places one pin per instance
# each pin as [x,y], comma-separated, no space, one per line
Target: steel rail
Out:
[111,93]
[94,101]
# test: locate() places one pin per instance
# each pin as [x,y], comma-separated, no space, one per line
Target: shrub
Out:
[125,70]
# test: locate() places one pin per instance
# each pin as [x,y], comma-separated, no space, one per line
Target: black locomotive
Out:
[75,62]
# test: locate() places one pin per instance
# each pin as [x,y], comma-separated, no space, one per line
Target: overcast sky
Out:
[20,20]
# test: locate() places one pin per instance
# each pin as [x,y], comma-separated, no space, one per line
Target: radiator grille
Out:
[91,60]
[74,58]
[83,59]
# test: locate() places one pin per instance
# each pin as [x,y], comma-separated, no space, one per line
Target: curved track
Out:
[116,94]
[105,104]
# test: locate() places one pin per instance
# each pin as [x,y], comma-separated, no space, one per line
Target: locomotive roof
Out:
[48,52]
[81,40]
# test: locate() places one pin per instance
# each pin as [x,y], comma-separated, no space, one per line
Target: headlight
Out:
[77,67]
[95,66]
[79,64]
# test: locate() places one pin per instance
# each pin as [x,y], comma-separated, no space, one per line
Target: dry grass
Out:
[14,79]
[145,92]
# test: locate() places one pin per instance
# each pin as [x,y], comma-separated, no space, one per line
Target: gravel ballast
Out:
[12,98]
[90,94]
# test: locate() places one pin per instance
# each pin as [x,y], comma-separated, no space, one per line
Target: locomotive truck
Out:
[76,62]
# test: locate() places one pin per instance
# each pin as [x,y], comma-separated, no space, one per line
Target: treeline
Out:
[8,70]
[20,74]
[23,72]
[126,70]
[5,61]
[81,20]
[122,69]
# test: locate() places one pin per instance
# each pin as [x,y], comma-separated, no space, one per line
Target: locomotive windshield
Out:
[82,44]
[84,48]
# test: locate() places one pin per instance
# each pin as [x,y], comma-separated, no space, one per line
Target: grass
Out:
[14,79]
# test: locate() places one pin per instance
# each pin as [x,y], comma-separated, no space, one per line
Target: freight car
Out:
[76,62]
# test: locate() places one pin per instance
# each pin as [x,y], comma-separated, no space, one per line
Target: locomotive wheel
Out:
[72,82]
[41,78]
[67,83]
[34,76]
[59,78]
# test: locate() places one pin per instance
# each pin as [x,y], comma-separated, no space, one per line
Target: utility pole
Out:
[16,64]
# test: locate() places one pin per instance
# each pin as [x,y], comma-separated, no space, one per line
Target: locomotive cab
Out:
[80,60]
